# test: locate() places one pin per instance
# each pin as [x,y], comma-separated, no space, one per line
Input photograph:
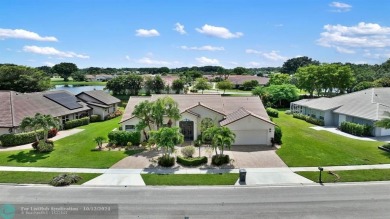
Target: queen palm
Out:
[39,121]
[221,138]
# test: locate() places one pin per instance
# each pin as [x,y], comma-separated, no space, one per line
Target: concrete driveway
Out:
[255,157]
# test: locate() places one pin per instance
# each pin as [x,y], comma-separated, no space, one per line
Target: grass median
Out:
[190,179]
[38,177]
[349,175]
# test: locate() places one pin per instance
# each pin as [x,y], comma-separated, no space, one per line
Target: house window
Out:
[65,119]
[321,118]
[129,127]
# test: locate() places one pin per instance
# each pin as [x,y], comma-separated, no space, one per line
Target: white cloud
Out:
[348,39]
[24,34]
[273,55]
[128,58]
[53,52]
[147,33]
[220,32]
[180,28]
[254,64]
[344,50]
[340,7]
[50,64]
[149,61]
[206,61]
[203,48]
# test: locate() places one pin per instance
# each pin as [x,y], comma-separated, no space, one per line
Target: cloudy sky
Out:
[174,33]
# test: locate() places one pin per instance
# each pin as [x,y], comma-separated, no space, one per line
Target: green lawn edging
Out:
[189,179]
[27,177]
[348,175]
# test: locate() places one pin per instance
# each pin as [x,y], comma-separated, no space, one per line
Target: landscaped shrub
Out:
[52,133]
[309,119]
[96,118]
[220,159]
[166,161]
[123,137]
[287,112]
[65,179]
[356,129]
[191,161]
[272,112]
[188,151]
[43,146]
[113,115]
[277,136]
[76,123]
[19,139]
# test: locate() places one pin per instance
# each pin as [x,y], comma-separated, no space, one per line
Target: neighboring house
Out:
[99,77]
[362,107]
[245,116]
[238,80]
[16,106]
[100,102]
[90,77]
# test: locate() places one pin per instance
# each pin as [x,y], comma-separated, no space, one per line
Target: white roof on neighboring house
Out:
[368,104]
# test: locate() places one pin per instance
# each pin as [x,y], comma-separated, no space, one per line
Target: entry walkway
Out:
[254,176]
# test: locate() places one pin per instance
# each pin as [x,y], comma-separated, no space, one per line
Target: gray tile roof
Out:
[28,104]
[215,102]
[101,97]
[5,109]
[368,104]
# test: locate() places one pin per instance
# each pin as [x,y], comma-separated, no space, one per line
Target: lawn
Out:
[349,175]
[190,179]
[303,146]
[38,177]
[72,151]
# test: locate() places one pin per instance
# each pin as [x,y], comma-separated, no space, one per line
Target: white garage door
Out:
[251,137]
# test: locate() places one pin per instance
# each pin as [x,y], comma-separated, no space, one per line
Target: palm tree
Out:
[221,137]
[167,138]
[99,140]
[30,124]
[39,121]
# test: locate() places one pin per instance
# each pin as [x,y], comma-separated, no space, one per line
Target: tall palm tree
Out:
[39,121]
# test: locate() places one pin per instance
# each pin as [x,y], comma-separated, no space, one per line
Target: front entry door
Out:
[187,129]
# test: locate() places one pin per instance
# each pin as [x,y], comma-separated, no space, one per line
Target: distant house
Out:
[362,107]
[245,116]
[16,106]
[99,77]
[238,80]
[100,102]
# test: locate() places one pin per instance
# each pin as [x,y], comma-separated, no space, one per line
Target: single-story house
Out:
[99,77]
[100,102]
[362,107]
[245,116]
[238,80]
[16,106]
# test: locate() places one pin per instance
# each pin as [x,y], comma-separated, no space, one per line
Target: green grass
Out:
[190,179]
[303,146]
[349,175]
[73,151]
[38,177]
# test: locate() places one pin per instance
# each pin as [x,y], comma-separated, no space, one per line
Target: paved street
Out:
[336,201]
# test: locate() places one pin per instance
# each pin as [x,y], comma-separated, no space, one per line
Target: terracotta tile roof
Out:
[215,102]
[5,109]
[101,97]
[239,114]
[28,104]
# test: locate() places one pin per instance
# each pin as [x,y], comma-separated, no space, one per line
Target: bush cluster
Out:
[113,115]
[277,136]
[219,160]
[387,146]
[166,161]
[309,119]
[123,137]
[8,140]
[42,146]
[191,161]
[65,179]
[76,123]
[356,129]
[95,118]
[188,151]
[272,112]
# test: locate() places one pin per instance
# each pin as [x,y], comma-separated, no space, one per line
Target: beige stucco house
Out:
[245,116]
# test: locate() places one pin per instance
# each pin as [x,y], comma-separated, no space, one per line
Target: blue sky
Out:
[173,33]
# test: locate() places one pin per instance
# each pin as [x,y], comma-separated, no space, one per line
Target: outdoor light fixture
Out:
[320,178]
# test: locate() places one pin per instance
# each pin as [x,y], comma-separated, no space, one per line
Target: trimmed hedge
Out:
[8,140]
[191,161]
[277,136]
[123,137]
[76,123]
[356,129]
[309,119]
[166,161]
[95,118]
[219,160]
[272,112]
